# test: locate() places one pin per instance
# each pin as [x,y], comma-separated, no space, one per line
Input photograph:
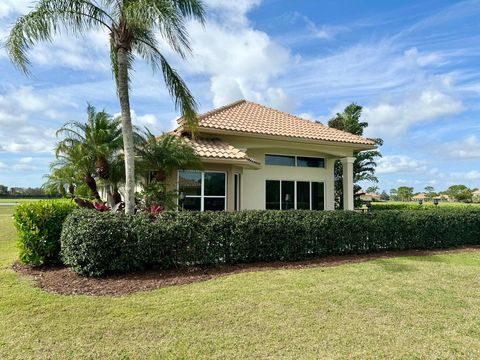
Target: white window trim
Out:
[202,195]
[296,160]
[295,192]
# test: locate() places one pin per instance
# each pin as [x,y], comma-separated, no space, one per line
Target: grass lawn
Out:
[417,307]
[17,200]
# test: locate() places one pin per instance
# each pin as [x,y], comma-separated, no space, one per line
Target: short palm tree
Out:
[101,136]
[132,25]
[90,148]
[60,180]
[162,155]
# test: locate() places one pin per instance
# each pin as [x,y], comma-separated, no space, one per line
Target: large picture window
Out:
[204,190]
[302,195]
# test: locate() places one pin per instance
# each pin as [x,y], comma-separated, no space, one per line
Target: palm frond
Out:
[46,20]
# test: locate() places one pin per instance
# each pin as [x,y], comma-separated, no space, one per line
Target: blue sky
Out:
[413,65]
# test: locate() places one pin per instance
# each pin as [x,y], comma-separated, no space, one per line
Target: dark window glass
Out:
[237,192]
[310,162]
[272,195]
[288,195]
[303,195]
[318,196]
[192,204]
[280,160]
[190,182]
[214,184]
[214,204]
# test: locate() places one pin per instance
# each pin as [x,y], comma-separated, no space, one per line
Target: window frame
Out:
[296,160]
[202,195]
[310,182]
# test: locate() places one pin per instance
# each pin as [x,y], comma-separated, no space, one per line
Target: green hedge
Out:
[39,225]
[98,243]
[424,206]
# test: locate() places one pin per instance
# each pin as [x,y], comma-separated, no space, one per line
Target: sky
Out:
[414,66]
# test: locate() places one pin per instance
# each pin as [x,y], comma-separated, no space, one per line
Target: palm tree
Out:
[60,180]
[101,136]
[90,148]
[162,155]
[132,25]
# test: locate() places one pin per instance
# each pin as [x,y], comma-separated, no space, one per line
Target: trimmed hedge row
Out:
[96,243]
[39,225]
[424,206]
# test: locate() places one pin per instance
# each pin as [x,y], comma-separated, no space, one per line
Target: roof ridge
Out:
[221,108]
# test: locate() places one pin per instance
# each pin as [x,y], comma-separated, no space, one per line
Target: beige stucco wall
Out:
[253,181]
[252,188]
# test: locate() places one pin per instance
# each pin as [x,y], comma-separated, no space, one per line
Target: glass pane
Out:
[318,197]
[214,184]
[236,192]
[303,195]
[272,195]
[280,160]
[192,204]
[288,195]
[190,182]
[310,162]
[214,204]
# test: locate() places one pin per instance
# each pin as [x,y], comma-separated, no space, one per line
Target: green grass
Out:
[16,200]
[413,307]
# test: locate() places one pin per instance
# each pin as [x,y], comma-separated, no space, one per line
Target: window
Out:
[287,195]
[283,160]
[290,160]
[203,190]
[304,161]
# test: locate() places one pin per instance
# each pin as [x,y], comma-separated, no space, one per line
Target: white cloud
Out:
[394,116]
[3,165]
[468,148]
[239,60]
[10,7]
[399,164]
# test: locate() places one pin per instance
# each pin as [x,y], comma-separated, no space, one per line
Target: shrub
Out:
[424,206]
[39,225]
[98,243]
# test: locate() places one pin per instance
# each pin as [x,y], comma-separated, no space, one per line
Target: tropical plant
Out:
[460,193]
[132,27]
[90,148]
[365,164]
[160,156]
[405,193]
[61,180]
[372,189]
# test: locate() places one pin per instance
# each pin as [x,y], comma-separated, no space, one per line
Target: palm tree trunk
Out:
[129,151]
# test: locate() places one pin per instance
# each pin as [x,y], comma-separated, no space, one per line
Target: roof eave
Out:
[355,146]
[239,162]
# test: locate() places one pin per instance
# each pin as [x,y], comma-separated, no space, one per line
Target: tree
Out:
[430,191]
[3,190]
[132,26]
[372,189]
[405,193]
[384,196]
[160,156]
[460,193]
[88,149]
[364,165]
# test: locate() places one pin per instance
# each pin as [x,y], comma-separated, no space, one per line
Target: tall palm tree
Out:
[132,26]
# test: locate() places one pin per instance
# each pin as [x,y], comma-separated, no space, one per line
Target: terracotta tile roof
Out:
[217,149]
[248,117]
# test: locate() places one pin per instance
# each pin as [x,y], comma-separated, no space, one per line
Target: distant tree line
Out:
[460,193]
[5,191]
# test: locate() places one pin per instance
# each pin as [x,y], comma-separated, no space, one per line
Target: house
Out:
[420,197]
[443,197]
[368,196]
[476,196]
[255,157]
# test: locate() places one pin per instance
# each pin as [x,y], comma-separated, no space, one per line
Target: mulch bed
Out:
[61,280]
